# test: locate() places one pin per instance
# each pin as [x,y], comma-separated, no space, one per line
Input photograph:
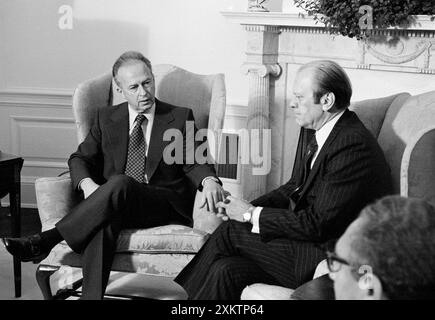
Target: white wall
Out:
[192,34]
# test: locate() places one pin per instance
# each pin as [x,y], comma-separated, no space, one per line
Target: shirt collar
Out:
[323,133]
[132,114]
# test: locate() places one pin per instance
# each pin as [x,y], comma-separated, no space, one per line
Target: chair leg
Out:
[43,274]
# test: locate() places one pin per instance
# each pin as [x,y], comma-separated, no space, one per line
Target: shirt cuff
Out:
[256,220]
[207,178]
[79,186]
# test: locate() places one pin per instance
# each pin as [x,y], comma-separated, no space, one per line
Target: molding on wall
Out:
[298,20]
[40,107]
[15,135]
[270,18]
[236,110]
[36,97]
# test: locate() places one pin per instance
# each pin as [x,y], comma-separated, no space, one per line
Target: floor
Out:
[120,283]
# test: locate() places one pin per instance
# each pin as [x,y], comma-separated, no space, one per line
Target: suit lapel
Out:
[162,118]
[341,123]
[117,132]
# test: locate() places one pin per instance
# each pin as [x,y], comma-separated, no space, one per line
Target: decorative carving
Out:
[256,6]
[421,47]
[395,47]
[262,69]
[260,28]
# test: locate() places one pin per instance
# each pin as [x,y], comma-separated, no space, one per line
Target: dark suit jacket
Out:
[350,171]
[103,154]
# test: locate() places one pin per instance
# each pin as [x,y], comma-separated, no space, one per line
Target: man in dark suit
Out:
[121,169]
[278,238]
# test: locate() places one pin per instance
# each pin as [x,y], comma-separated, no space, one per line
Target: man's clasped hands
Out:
[225,206]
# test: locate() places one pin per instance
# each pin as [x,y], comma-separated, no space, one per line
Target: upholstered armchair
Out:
[404,126]
[161,251]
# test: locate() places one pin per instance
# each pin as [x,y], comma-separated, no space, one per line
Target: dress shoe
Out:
[26,249]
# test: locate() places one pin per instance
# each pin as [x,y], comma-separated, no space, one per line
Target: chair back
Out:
[204,94]
[372,113]
[404,126]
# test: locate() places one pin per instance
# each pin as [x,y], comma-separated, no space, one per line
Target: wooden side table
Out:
[10,183]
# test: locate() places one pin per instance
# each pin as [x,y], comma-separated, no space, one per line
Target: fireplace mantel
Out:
[278,43]
[295,20]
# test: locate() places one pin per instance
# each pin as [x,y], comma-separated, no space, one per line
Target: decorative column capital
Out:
[262,70]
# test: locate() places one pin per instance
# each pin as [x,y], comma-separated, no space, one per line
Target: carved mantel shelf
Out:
[394,49]
[295,20]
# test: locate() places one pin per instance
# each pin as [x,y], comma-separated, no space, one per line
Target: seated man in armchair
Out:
[125,181]
[275,239]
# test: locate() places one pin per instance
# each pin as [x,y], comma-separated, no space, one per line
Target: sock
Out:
[50,238]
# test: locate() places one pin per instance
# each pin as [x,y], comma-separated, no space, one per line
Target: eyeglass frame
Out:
[331,257]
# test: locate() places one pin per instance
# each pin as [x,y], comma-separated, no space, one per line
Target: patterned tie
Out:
[136,158]
[311,151]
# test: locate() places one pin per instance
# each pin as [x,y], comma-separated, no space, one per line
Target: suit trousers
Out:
[93,226]
[233,258]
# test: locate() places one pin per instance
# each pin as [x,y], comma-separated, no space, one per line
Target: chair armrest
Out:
[417,170]
[202,219]
[55,198]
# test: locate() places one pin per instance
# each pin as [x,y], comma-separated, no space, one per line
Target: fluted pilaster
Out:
[258,143]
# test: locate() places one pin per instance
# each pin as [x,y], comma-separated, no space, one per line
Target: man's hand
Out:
[212,193]
[234,208]
[88,186]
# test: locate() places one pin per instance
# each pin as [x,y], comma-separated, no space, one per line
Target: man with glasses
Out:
[387,253]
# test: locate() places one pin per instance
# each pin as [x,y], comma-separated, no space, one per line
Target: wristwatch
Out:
[247,216]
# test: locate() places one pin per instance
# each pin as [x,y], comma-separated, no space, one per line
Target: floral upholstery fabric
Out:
[168,264]
[169,238]
[160,251]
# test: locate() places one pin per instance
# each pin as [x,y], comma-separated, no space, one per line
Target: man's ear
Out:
[116,86]
[327,101]
[374,292]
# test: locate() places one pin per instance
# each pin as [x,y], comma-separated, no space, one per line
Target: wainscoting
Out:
[38,125]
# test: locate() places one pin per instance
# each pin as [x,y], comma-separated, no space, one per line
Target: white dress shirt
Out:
[321,136]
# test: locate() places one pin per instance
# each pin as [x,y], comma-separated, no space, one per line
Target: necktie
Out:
[136,159]
[311,151]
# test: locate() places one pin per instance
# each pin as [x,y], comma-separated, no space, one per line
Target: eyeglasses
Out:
[335,262]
